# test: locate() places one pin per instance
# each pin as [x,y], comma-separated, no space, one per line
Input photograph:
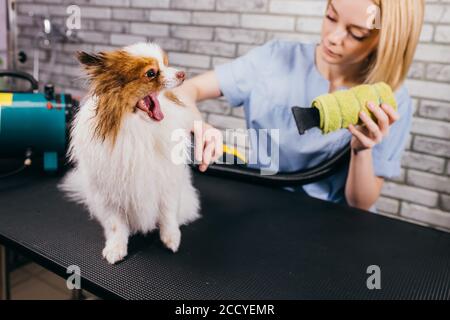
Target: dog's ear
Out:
[91,60]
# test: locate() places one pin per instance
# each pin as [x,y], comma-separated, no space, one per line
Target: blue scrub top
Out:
[272,78]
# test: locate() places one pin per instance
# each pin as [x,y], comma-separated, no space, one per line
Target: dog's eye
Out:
[151,73]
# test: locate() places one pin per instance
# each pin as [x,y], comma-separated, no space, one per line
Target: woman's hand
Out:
[208,144]
[370,133]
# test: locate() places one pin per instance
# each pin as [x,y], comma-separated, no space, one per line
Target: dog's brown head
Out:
[127,80]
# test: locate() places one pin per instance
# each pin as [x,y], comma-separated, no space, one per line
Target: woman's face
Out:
[348,33]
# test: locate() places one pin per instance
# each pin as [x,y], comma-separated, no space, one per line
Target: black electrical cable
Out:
[12,173]
[26,164]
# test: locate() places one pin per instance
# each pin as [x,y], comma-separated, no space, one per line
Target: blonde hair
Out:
[401,25]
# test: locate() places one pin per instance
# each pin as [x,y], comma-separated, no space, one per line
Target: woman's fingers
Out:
[381,116]
[218,150]
[373,133]
[215,148]
[373,128]
[392,114]
[198,143]
[208,145]
[363,139]
[207,155]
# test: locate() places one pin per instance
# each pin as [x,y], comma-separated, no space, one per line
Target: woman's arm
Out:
[208,140]
[363,187]
[199,88]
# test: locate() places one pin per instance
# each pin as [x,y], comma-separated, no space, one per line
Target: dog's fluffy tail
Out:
[72,186]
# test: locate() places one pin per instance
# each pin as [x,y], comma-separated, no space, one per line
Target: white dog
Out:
[124,150]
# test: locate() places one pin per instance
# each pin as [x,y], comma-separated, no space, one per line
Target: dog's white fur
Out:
[137,187]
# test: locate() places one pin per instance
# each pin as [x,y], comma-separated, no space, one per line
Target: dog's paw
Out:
[115,251]
[171,239]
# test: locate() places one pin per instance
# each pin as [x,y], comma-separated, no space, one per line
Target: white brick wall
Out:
[3,40]
[202,33]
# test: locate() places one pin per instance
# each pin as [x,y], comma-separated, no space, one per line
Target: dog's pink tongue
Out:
[156,108]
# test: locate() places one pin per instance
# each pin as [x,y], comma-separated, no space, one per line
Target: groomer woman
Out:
[355,48]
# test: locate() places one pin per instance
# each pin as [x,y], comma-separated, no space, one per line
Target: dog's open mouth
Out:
[150,105]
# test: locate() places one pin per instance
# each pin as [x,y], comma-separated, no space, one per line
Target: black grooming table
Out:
[253,242]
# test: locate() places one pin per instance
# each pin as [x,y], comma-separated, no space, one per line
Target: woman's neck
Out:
[337,75]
